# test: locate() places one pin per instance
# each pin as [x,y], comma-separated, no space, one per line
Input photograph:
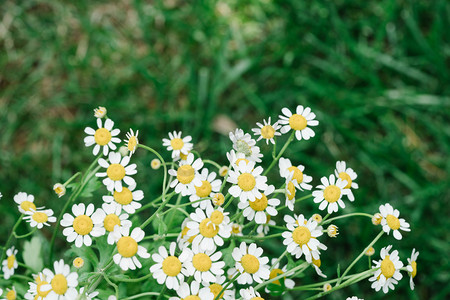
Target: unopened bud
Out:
[376,219]
[332,231]
[155,164]
[223,171]
[100,112]
[370,251]
[59,189]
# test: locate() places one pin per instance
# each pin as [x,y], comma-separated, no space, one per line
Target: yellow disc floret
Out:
[115,172]
[298,175]
[110,221]
[204,190]
[393,222]
[177,144]
[250,263]
[11,295]
[346,177]
[78,262]
[216,289]
[259,204]
[274,273]
[387,267]
[40,217]
[102,136]
[59,284]
[27,206]
[301,235]
[124,197]
[83,224]
[297,122]
[185,174]
[267,132]
[290,191]
[332,193]
[171,266]
[218,199]
[127,246]
[207,228]
[192,297]
[201,262]
[10,261]
[246,182]
[414,267]
[217,217]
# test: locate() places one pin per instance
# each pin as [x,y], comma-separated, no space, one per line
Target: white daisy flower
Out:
[205,265]
[11,294]
[348,175]
[353,298]
[300,122]
[100,112]
[209,227]
[87,296]
[25,202]
[170,269]
[412,267]
[35,291]
[62,283]
[128,248]
[263,229]
[261,207]
[299,179]
[102,137]
[267,131]
[330,193]
[250,263]
[178,145]
[10,263]
[243,143]
[132,141]
[290,191]
[183,240]
[388,273]
[247,181]
[235,158]
[236,229]
[39,218]
[110,216]
[210,185]
[193,292]
[218,285]
[127,199]
[117,169]
[277,271]
[250,294]
[82,227]
[391,221]
[302,237]
[187,176]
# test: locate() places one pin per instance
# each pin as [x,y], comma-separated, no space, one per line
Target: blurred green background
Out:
[376,73]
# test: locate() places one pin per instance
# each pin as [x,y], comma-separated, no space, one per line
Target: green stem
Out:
[26,278]
[345,216]
[71,178]
[162,292]
[290,139]
[8,242]
[286,274]
[149,275]
[296,201]
[233,279]
[26,234]
[164,166]
[207,161]
[279,259]
[251,237]
[155,214]
[116,288]
[143,295]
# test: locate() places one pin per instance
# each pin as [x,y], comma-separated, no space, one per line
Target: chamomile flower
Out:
[183,240]
[11,294]
[110,216]
[301,239]
[412,267]
[261,207]
[332,231]
[218,285]
[243,143]
[223,171]
[128,248]
[348,175]
[388,273]
[59,189]
[132,141]
[300,122]
[316,263]
[25,202]
[205,265]
[250,263]
[247,181]
[391,221]
[177,144]
[39,218]
[330,193]
[104,137]
[128,199]
[290,191]
[61,283]
[235,158]
[263,229]
[36,291]
[187,176]
[170,269]
[236,229]
[210,185]
[250,294]
[117,169]
[100,112]
[267,131]
[370,251]
[155,164]
[299,179]
[78,262]
[82,227]
[10,263]
[210,227]
[275,271]
[218,199]
[194,291]
[84,294]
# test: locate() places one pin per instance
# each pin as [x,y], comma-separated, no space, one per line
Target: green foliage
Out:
[32,253]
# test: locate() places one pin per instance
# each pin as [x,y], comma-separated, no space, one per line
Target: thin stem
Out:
[155,214]
[164,166]
[278,259]
[346,216]
[296,201]
[233,279]
[207,161]
[286,274]
[71,178]
[290,139]
[162,292]
[116,288]
[143,295]
[8,242]
[26,234]
[149,275]
[258,237]
[158,237]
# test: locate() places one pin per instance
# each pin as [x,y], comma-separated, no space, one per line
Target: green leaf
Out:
[92,185]
[32,256]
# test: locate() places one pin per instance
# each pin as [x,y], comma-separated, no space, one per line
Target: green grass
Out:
[376,73]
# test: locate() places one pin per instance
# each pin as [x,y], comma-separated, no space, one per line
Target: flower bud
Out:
[317,218]
[78,262]
[370,251]
[155,164]
[332,231]
[59,189]
[100,112]
[376,219]
[223,171]
[326,287]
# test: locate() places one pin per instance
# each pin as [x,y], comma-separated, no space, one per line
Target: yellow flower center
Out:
[78,262]
[219,199]
[132,143]
[38,288]
[216,289]
[393,222]
[346,177]
[177,144]
[207,228]
[241,159]
[115,172]
[414,267]
[184,232]
[127,246]
[102,136]
[259,204]
[10,261]
[267,132]
[246,182]
[40,217]
[124,197]
[317,218]
[317,262]
[387,267]
[257,298]
[110,221]
[216,217]
[27,206]
[250,263]
[297,122]
[83,224]
[274,273]
[171,266]
[204,190]
[235,229]
[202,262]
[291,190]
[185,174]
[11,295]
[298,175]
[192,297]
[59,189]
[59,284]
[332,193]
[184,156]
[301,235]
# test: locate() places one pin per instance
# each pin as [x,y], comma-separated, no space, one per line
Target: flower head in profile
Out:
[59,189]
[412,267]
[128,248]
[388,274]
[132,141]
[391,221]
[300,179]
[267,131]
[61,283]
[10,263]
[100,112]
[178,145]
[39,218]
[35,291]
[300,122]
[104,136]
[25,202]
